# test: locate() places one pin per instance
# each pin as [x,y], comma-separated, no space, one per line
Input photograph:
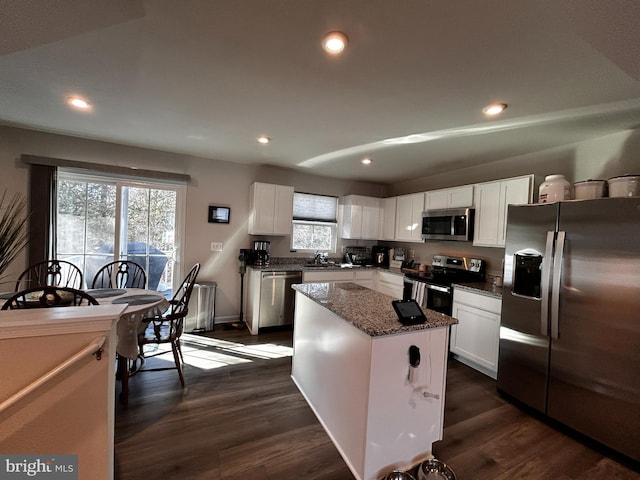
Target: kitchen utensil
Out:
[624,186]
[588,189]
[434,469]
[398,475]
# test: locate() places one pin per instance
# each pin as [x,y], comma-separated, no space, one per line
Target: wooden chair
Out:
[168,327]
[120,274]
[57,273]
[48,296]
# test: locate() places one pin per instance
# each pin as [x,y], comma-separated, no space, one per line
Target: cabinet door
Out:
[409,217]
[351,217]
[389,218]
[271,209]
[476,337]
[456,197]
[283,214]
[516,191]
[460,197]
[437,200]
[371,213]
[491,200]
[487,219]
[327,276]
[262,197]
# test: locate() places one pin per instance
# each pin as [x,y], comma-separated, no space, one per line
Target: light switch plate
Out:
[216,246]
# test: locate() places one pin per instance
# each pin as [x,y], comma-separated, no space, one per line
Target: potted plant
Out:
[13,228]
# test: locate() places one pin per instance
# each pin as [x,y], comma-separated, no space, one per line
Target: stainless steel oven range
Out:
[433,290]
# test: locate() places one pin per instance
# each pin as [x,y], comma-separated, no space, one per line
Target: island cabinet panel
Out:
[410,413]
[358,387]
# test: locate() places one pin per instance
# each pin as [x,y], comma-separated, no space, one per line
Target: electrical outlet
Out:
[216,246]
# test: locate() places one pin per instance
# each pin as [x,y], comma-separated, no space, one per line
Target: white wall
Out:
[213,182]
[598,158]
[216,182]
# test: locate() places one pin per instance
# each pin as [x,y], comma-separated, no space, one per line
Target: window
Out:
[314,222]
[100,219]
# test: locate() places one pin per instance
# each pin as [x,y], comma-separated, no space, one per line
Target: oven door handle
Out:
[438,288]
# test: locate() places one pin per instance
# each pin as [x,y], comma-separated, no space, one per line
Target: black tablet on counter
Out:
[409,312]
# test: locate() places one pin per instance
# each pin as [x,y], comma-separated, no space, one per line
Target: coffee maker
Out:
[380,256]
[260,253]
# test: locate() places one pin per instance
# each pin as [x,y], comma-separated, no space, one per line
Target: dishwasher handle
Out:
[281,275]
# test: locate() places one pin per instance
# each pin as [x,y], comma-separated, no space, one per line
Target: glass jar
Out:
[554,188]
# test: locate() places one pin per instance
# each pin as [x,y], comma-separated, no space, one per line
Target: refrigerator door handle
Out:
[544,285]
[558,260]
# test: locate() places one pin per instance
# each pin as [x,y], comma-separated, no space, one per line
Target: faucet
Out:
[320,257]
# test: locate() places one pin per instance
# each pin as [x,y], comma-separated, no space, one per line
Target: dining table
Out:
[141,303]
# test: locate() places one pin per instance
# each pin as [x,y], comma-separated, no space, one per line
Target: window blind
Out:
[314,208]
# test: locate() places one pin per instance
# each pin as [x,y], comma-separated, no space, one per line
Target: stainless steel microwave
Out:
[453,224]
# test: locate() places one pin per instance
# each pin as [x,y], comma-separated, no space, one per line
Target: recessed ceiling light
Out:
[263,139]
[494,109]
[335,42]
[366,161]
[79,103]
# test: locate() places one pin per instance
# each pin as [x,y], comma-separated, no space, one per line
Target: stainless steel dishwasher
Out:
[277,298]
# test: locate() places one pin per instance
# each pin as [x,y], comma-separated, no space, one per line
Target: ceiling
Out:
[206,77]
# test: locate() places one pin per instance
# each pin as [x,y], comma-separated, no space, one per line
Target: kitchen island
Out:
[351,363]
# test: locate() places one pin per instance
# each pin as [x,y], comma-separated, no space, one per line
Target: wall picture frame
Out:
[219,214]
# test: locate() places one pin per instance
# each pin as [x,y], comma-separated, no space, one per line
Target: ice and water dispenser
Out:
[527,274]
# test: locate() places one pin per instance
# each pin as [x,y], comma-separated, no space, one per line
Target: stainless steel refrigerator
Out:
[570,327]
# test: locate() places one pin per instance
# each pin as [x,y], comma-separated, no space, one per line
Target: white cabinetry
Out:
[361,217]
[271,209]
[475,339]
[345,275]
[252,315]
[409,210]
[357,387]
[390,284]
[366,278]
[389,218]
[456,197]
[491,201]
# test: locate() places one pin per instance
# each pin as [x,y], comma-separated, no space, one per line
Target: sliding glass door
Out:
[101,219]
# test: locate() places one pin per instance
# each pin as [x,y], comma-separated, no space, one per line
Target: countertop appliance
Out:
[454,224]
[260,255]
[570,326]
[433,289]
[358,255]
[277,298]
[380,256]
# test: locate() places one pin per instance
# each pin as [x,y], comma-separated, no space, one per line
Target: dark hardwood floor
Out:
[241,417]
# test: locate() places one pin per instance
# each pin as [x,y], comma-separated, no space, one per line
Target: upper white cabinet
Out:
[361,217]
[271,209]
[491,201]
[457,197]
[409,210]
[389,218]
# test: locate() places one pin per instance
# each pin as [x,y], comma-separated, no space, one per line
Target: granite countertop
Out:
[368,310]
[482,288]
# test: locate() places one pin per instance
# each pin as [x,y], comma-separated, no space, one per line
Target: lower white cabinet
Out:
[390,284]
[345,275]
[475,339]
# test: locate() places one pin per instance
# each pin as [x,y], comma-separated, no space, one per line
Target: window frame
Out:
[120,181]
[332,225]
